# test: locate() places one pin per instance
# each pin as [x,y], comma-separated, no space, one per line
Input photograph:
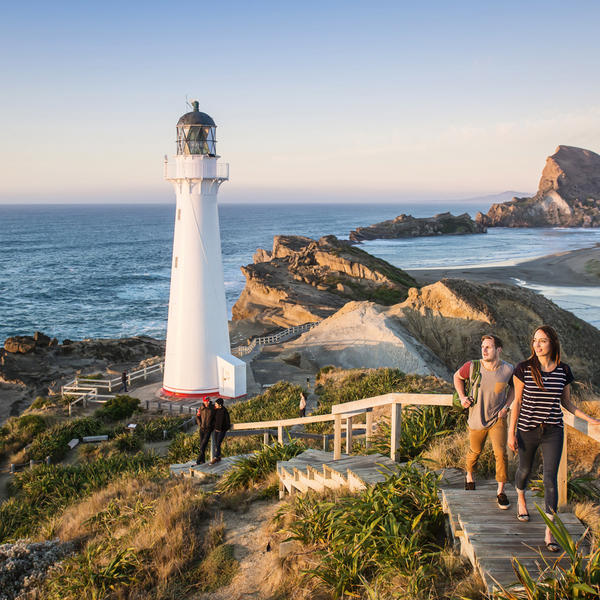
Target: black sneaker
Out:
[503,502]
[469,485]
[199,462]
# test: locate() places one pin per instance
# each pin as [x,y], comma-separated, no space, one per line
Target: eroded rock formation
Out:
[406,226]
[568,195]
[303,280]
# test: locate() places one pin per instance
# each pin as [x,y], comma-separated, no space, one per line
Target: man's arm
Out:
[459,386]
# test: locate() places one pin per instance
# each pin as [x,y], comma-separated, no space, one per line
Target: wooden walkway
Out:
[491,537]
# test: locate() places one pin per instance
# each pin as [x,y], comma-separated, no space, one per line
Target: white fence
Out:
[275,338]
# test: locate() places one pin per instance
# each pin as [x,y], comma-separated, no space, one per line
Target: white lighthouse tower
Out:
[198,358]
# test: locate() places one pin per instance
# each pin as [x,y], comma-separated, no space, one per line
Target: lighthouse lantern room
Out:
[198,358]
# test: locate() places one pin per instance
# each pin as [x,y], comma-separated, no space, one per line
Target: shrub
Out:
[117,408]
[20,431]
[279,402]
[152,431]
[54,441]
[43,402]
[392,527]
[126,442]
[256,468]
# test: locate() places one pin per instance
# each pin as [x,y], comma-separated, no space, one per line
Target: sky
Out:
[314,101]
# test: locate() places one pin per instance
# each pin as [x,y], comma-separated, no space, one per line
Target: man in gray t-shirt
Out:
[487,412]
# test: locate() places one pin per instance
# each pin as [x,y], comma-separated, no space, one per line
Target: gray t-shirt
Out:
[493,392]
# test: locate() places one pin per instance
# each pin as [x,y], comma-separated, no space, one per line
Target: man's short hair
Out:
[497,341]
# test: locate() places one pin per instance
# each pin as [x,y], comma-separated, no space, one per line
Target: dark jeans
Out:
[204,439]
[550,438]
[218,440]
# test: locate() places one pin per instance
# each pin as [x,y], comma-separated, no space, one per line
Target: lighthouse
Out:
[198,358]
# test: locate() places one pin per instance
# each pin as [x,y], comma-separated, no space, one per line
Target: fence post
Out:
[212,445]
[337,439]
[349,433]
[165,433]
[47,460]
[325,443]
[396,423]
[110,385]
[369,429]
[280,434]
[180,408]
[147,404]
[12,468]
[562,474]
[145,373]
[70,409]
[158,409]
[31,463]
[266,438]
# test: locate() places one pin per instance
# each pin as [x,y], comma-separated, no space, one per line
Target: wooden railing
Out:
[592,431]
[274,338]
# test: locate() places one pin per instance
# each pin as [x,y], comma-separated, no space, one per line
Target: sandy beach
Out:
[574,268]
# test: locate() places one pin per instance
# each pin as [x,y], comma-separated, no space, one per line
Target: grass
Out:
[45,491]
[142,538]
[17,432]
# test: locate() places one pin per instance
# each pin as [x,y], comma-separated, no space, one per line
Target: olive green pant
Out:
[498,434]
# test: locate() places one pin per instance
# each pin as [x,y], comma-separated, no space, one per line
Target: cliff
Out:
[568,195]
[303,280]
[406,226]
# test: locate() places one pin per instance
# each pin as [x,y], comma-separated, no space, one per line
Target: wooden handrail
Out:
[393,398]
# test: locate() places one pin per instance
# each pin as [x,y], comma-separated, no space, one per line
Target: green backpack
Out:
[471,385]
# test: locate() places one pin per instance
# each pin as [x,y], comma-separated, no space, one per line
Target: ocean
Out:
[83,271]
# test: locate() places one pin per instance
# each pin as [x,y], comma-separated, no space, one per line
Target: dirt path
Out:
[248,533]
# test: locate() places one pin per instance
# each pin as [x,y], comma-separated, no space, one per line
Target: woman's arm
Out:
[566,401]
[514,413]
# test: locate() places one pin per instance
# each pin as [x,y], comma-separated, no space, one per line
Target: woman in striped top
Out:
[541,386]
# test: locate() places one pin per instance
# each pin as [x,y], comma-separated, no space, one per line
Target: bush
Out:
[152,431]
[19,431]
[43,402]
[256,468]
[126,442]
[390,529]
[117,408]
[54,441]
[279,402]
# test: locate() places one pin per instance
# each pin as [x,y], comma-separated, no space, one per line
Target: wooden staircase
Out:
[317,470]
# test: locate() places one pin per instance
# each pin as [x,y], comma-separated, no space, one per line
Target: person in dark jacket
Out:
[205,418]
[222,426]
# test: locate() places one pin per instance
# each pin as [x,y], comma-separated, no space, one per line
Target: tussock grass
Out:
[142,538]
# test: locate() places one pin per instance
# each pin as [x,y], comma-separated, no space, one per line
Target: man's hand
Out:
[503,412]
[466,402]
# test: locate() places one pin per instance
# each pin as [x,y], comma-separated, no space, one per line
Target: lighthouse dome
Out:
[196,133]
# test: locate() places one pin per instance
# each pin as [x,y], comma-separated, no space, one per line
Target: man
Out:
[302,405]
[222,426]
[488,410]
[205,418]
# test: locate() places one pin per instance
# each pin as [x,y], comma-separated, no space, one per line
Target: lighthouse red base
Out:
[175,395]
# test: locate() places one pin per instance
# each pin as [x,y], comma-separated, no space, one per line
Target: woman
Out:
[541,385]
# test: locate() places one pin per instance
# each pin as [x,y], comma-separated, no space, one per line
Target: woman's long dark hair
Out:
[534,361]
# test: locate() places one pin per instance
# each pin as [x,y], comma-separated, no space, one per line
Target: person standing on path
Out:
[488,408]
[222,426]
[124,381]
[205,418]
[302,405]
[542,385]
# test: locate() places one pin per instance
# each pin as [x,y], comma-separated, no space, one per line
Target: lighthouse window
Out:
[196,139]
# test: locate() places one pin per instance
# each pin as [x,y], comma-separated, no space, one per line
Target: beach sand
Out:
[573,268]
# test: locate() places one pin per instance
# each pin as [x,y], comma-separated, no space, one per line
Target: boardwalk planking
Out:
[491,537]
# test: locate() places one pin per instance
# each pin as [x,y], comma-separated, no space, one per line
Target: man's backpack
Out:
[471,385]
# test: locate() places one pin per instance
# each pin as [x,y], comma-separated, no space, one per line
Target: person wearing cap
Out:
[222,426]
[205,418]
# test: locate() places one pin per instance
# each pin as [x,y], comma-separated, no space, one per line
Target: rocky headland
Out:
[302,280]
[38,365]
[406,226]
[568,195]
[440,326]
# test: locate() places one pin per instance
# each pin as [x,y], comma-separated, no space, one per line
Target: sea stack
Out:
[198,358]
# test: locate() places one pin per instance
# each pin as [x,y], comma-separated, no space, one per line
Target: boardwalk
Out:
[490,537]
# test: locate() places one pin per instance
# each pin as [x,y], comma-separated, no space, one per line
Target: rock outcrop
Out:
[438,327]
[363,335]
[450,316]
[303,280]
[568,195]
[406,226]
[31,366]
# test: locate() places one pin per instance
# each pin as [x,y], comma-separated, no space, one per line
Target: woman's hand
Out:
[512,441]
[503,412]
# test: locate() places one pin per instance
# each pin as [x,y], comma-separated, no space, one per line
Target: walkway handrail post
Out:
[349,435]
[562,473]
[337,439]
[369,429]
[396,427]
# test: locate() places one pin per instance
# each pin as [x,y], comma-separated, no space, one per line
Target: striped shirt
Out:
[542,406]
